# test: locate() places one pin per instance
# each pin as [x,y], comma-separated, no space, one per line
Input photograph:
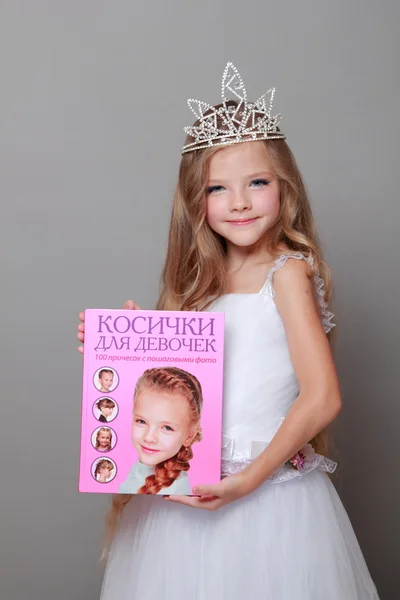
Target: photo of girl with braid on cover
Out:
[104,470]
[166,422]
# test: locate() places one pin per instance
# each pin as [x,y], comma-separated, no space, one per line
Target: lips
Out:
[242,222]
[149,450]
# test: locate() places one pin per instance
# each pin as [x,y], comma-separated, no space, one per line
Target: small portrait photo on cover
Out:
[105,409]
[104,470]
[166,422]
[104,439]
[106,380]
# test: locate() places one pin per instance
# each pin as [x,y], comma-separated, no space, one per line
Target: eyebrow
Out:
[250,176]
[138,416]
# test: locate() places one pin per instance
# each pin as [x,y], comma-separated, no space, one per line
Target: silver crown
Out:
[243,122]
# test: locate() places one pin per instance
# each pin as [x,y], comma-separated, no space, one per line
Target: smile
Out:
[241,222]
[149,450]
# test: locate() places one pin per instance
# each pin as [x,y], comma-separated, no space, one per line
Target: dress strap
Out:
[268,288]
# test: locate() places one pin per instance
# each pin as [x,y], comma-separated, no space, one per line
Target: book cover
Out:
[151,402]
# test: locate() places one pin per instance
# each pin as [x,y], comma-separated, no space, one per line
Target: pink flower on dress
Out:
[299,459]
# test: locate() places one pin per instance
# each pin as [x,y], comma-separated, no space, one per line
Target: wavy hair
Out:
[176,382]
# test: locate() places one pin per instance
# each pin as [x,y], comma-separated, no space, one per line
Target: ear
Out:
[192,434]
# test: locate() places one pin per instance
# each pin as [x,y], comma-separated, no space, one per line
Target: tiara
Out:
[233,123]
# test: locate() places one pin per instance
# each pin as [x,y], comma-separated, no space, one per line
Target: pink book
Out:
[152,401]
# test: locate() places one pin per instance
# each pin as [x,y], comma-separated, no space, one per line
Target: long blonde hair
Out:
[195,270]
[174,381]
[195,267]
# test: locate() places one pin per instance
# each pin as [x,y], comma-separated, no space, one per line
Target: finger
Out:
[187,500]
[131,305]
[209,490]
[205,499]
[81,327]
[80,349]
[82,316]
[80,337]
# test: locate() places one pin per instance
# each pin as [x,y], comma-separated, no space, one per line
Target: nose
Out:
[240,201]
[151,435]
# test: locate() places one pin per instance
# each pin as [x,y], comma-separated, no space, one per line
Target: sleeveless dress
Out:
[291,539]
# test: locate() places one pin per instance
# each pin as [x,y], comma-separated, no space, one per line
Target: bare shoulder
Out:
[294,277]
[295,296]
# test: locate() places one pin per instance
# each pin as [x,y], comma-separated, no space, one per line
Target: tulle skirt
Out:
[285,541]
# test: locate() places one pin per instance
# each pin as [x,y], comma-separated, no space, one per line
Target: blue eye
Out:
[168,428]
[214,188]
[259,182]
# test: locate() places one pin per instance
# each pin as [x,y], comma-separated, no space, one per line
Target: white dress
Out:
[291,539]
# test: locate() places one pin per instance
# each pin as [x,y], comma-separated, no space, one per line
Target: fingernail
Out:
[195,490]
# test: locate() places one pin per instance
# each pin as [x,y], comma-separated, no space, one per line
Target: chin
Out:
[149,461]
[245,241]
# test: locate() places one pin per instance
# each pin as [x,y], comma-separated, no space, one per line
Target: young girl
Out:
[104,439]
[242,240]
[103,470]
[105,406]
[106,380]
[166,422]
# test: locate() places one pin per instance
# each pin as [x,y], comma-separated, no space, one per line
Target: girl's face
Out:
[161,425]
[106,380]
[104,439]
[106,411]
[243,196]
[105,473]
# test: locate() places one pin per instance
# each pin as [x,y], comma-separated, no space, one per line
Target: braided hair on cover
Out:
[174,381]
[104,462]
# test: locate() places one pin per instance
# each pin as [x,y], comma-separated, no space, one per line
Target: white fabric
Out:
[289,541]
[326,315]
[137,477]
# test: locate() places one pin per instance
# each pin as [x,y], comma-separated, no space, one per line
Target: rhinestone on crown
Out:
[245,122]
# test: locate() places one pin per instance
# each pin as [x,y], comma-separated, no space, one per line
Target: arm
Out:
[317,404]
[319,401]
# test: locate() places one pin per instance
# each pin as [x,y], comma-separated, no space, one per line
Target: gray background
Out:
[92,110]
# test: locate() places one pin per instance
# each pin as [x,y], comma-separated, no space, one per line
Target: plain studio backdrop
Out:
[93,105]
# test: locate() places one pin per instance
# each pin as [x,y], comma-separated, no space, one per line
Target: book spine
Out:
[84,410]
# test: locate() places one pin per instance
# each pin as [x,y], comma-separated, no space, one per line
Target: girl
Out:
[105,406]
[242,240]
[166,422]
[106,380]
[103,470]
[104,439]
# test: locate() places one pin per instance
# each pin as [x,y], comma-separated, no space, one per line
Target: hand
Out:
[129,305]
[211,497]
